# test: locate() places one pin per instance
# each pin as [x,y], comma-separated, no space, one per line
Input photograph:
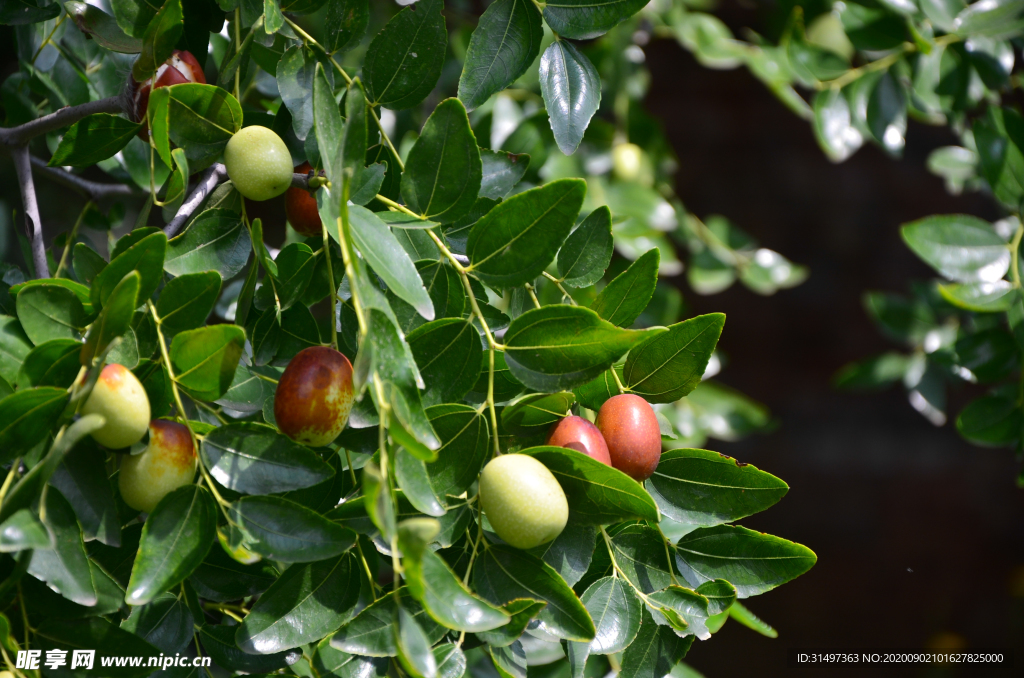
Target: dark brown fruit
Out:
[631,431]
[314,396]
[301,207]
[578,434]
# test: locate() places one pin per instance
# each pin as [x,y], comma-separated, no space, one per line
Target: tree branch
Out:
[15,136]
[33,224]
[90,189]
[207,182]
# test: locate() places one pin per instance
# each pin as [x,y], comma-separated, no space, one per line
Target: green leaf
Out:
[353,140]
[114,320]
[514,242]
[295,264]
[616,612]
[465,441]
[442,173]
[669,365]
[256,459]
[371,633]
[26,418]
[286,531]
[446,290]
[685,610]
[405,59]
[65,567]
[981,297]
[641,553]
[328,126]
[995,19]
[751,561]
[175,540]
[585,19]
[93,139]
[49,312]
[558,347]
[218,641]
[295,73]
[503,46]
[445,598]
[414,653]
[14,348]
[999,137]
[451,662]
[102,27]
[345,23]
[534,413]
[522,611]
[145,256]
[598,493]
[23,530]
[82,479]
[571,552]
[588,250]
[246,394]
[412,476]
[449,356]
[509,661]
[655,651]
[992,421]
[698,487]
[833,125]
[593,394]
[159,39]
[205,359]
[21,12]
[751,621]
[221,578]
[501,172]
[332,663]
[96,633]
[216,240]
[308,602]
[187,301]
[201,119]
[571,88]
[503,574]
[623,299]
[388,259]
[961,247]
[166,623]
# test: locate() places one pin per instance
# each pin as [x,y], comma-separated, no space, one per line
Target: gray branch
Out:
[91,189]
[16,136]
[33,224]
[207,182]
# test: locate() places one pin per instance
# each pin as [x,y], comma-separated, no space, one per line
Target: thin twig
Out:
[33,224]
[15,136]
[90,189]
[207,182]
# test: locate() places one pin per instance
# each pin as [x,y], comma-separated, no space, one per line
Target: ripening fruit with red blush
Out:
[631,431]
[165,465]
[314,396]
[181,68]
[578,434]
[301,207]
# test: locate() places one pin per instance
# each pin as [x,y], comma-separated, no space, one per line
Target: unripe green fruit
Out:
[523,502]
[627,161]
[165,465]
[258,163]
[122,401]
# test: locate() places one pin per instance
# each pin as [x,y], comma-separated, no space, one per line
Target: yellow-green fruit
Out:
[165,465]
[258,163]
[627,161]
[523,502]
[122,401]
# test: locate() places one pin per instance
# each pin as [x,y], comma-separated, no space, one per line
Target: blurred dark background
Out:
[919,536]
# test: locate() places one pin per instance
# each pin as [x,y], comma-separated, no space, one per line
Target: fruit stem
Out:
[71,239]
[618,571]
[181,411]
[533,295]
[618,382]
[558,284]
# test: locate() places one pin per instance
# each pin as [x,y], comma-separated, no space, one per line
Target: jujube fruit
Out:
[627,161]
[300,206]
[165,465]
[179,69]
[122,401]
[314,396]
[578,434]
[258,163]
[522,500]
[631,431]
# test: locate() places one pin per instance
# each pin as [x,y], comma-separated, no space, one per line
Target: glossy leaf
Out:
[175,540]
[670,365]
[371,633]
[14,347]
[446,599]
[449,356]
[587,251]
[205,359]
[558,347]
[93,139]
[332,663]
[102,27]
[465,442]
[585,19]
[616,612]
[286,531]
[98,634]
[158,40]
[145,256]
[640,552]
[82,479]
[114,320]
[501,172]
[960,247]
[218,641]
[49,312]
[623,299]
[571,88]
[404,60]
[256,459]
[216,240]
[166,623]
[503,46]
[221,578]
[23,530]
[65,567]
[345,23]
[516,240]
[571,552]
[655,651]
[27,417]
[534,413]
[510,661]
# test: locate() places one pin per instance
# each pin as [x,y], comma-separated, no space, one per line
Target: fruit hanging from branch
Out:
[258,163]
[122,401]
[179,69]
[300,205]
[522,500]
[314,396]
[167,463]
[631,431]
[578,434]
